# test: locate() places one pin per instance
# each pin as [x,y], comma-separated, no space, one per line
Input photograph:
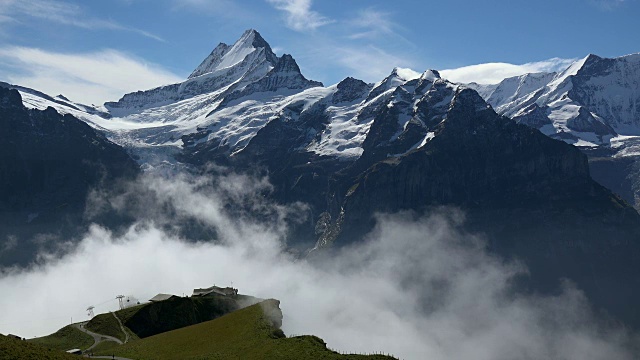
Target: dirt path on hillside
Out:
[97,338]
[126,334]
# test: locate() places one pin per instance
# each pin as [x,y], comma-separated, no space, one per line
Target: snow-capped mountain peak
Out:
[399,76]
[227,69]
[212,61]
[225,56]
[430,75]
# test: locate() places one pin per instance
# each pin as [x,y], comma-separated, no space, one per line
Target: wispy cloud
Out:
[362,60]
[298,14]
[608,5]
[371,23]
[369,63]
[366,43]
[222,8]
[62,13]
[493,73]
[92,77]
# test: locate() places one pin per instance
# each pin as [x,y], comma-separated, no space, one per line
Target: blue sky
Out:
[94,51]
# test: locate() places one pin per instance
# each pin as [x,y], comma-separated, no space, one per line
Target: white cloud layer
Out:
[417,288]
[372,23]
[90,78]
[298,14]
[493,73]
[379,26]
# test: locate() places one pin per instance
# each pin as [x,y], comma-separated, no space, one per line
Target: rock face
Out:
[48,164]
[349,90]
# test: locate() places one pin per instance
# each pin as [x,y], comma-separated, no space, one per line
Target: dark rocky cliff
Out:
[48,165]
[531,196]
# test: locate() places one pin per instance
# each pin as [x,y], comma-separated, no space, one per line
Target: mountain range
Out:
[594,104]
[515,157]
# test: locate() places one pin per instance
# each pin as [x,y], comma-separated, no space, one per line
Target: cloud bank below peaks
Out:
[416,287]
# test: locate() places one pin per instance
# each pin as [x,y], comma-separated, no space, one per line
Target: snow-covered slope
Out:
[96,116]
[345,111]
[590,103]
[513,88]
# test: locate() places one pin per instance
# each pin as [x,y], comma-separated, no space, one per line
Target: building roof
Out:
[161,297]
[214,290]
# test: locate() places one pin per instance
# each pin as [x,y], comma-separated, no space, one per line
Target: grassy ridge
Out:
[147,319]
[12,349]
[106,324]
[243,334]
[66,338]
[125,314]
[176,313]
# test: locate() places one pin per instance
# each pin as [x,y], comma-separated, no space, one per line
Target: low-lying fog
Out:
[417,288]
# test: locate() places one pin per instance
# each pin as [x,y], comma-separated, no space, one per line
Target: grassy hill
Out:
[64,339]
[146,320]
[13,349]
[154,318]
[250,333]
[175,313]
[106,324]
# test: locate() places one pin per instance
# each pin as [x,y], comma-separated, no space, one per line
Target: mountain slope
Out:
[48,165]
[69,337]
[530,195]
